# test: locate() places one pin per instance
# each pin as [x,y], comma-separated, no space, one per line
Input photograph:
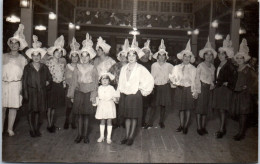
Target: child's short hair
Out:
[104,77]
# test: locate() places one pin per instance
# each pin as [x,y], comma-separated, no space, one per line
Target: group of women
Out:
[124,91]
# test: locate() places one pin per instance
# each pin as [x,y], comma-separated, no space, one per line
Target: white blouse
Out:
[161,73]
[184,75]
[140,79]
[204,74]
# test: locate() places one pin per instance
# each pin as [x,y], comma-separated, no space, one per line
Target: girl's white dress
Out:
[106,108]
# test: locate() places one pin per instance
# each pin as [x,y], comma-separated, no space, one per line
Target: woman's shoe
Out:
[109,141]
[101,139]
[200,132]
[219,134]
[204,131]
[179,129]
[124,141]
[38,133]
[49,129]
[130,142]
[32,133]
[10,132]
[78,139]
[66,125]
[239,137]
[185,130]
[86,140]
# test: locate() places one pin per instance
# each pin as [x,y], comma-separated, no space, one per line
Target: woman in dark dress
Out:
[36,78]
[56,94]
[225,78]
[241,100]
[205,83]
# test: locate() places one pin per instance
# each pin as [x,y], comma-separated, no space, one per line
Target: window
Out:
[104,4]
[93,3]
[153,6]
[165,7]
[187,7]
[81,3]
[176,7]
[142,5]
[116,4]
[128,4]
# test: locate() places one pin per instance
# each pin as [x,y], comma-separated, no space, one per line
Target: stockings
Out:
[130,125]
[83,125]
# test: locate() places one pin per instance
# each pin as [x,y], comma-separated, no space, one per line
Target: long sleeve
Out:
[74,83]
[24,83]
[95,77]
[173,75]
[193,73]
[146,82]
[232,76]
[197,79]
[49,77]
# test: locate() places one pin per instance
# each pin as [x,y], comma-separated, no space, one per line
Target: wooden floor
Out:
[151,146]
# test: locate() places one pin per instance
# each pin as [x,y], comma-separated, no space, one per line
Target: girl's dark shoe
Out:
[86,140]
[38,133]
[49,129]
[161,124]
[219,134]
[32,133]
[66,124]
[179,129]
[78,139]
[239,137]
[204,131]
[200,132]
[130,142]
[185,130]
[53,129]
[124,141]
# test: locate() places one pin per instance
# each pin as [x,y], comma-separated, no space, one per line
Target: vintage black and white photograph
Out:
[130,81]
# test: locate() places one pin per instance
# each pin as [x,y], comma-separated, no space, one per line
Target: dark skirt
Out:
[241,103]
[163,95]
[221,98]
[183,99]
[82,103]
[131,105]
[204,99]
[56,95]
[37,100]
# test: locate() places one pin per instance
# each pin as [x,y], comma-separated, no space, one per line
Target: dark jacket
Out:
[227,73]
[34,86]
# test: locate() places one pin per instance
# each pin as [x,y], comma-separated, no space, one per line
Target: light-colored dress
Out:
[106,108]
[11,80]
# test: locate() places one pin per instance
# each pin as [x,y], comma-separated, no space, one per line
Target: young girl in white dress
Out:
[106,109]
